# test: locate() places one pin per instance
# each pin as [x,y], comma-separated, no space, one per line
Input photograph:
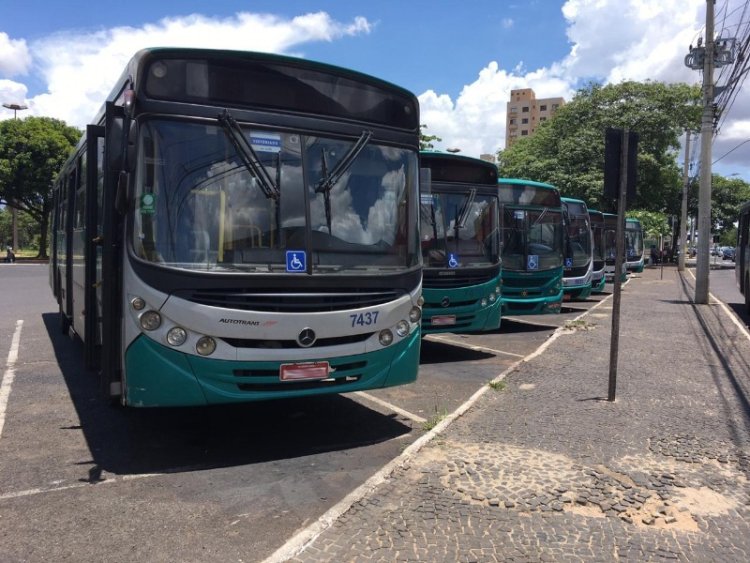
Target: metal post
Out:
[683,211]
[704,194]
[619,264]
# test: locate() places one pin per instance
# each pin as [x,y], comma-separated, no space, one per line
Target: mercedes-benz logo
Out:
[445,302]
[306,337]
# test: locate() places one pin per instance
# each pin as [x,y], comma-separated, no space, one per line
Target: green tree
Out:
[727,196]
[425,141]
[568,149]
[32,151]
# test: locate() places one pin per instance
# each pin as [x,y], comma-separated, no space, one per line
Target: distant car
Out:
[727,253]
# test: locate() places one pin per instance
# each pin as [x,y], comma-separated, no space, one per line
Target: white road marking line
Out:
[306,536]
[10,373]
[435,338]
[726,309]
[391,407]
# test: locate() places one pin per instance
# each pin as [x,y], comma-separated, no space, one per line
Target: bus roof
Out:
[514,191]
[522,182]
[449,167]
[573,200]
[135,76]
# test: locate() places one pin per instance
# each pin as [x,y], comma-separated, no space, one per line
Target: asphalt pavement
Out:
[541,466]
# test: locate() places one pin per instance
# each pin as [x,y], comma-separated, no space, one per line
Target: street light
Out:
[13,211]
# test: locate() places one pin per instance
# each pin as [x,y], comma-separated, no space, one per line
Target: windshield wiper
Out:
[248,156]
[463,214]
[329,179]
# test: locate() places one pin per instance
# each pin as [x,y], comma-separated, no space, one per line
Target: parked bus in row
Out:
[610,249]
[597,234]
[635,254]
[742,254]
[532,225]
[578,250]
[460,239]
[239,226]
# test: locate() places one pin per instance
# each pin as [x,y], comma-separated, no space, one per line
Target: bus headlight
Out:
[402,328]
[176,336]
[205,346]
[492,297]
[150,320]
[385,337]
[415,314]
[138,303]
[420,301]
[483,302]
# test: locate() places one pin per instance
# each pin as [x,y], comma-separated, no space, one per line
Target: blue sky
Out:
[460,58]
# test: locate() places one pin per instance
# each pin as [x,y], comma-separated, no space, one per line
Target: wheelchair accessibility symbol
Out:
[296,261]
[568,262]
[452,260]
[532,262]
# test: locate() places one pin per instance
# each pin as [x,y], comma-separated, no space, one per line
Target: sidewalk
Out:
[547,470]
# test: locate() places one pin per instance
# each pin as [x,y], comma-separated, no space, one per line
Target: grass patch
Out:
[579,324]
[497,385]
[434,420]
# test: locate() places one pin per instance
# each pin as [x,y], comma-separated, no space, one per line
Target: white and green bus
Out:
[238,226]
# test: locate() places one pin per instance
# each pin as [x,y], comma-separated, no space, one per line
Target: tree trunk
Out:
[43,227]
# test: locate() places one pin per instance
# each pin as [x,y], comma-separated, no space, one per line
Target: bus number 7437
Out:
[364,319]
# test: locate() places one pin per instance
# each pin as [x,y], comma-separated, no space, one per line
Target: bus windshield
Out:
[532,239]
[577,236]
[461,225]
[633,241]
[208,200]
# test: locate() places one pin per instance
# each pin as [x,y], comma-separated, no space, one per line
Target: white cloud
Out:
[611,41]
[14,56]
[507,23]
[80,69]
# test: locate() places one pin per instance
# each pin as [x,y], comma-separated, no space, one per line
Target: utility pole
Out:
[704,191]
[683,214]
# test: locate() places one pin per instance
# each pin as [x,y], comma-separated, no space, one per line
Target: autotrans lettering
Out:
[364,319]
[239,322]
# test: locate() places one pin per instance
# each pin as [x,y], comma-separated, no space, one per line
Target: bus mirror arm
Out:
[121,193]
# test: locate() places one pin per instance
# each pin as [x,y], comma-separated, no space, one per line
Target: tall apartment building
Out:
[525,112]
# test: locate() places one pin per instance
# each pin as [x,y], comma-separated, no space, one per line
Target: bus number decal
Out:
[364,319]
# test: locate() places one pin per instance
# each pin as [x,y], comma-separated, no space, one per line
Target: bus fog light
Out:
[386,337]
[483,302]
[415,314]
[492,297]
[402,328]
[150,320]
[138,303]
[176,336]
[205,346]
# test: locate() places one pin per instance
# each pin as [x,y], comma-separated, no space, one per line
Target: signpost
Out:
[620,157]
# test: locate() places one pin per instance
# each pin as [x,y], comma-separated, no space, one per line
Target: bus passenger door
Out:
[94,243]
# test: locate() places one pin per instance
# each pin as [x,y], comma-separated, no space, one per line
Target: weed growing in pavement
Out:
[579,324]
[434,420]
[497,385]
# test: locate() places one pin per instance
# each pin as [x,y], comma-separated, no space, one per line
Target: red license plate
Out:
[445,320]
[304,371]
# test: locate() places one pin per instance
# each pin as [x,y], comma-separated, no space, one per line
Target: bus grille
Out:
[576,272]
[461,279]
[271,300]
[536,281]
[280,344]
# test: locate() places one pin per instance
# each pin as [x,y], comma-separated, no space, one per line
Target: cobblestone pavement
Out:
[543,468]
